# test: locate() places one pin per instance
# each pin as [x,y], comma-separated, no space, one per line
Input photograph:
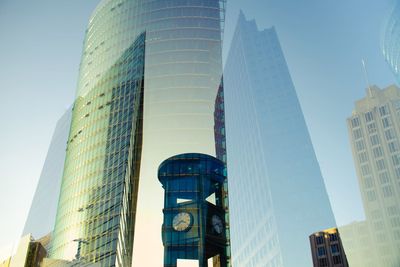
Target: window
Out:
[337,260]
[397,235]
[393,147]
[357,133]
[320,240]
[386,122]
[363,157]
[333,237]
[396,104]
[396,159]
[360,145]
[384,178]
[395,222]
[389,134]
[379,225]
[380,164]
[374,140]
[378,152]
[323,262]
[368,116]
[376,214]
[384,110]
[387,191]
[355,122]
[368,182]
[321,251]
[335,248]
[365,170]
[393,210]
[371,128]
[371,195]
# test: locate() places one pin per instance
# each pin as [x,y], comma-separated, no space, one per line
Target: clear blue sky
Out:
[324,42]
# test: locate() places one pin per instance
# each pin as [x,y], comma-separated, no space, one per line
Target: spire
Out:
[366,78]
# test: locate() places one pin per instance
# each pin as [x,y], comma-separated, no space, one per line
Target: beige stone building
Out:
[374,131]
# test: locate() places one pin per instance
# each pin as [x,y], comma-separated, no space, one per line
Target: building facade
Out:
[327,249]
[44,203]
[279,193]
[391,40]
[149,77]
[357,239]
[374,131]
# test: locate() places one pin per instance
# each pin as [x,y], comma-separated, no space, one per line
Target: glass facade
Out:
[97,200]
[279,193]
[391,40]
[42,213]
[149,77]
[182,76]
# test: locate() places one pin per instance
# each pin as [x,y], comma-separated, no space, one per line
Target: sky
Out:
[323,41]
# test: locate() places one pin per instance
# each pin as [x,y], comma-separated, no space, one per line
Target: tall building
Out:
[149,77]
[374,131]
[42,213]
[391,40]
[327,249]
[279,193]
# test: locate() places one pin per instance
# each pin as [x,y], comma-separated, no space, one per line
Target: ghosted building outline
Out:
[277,193]
[42,214]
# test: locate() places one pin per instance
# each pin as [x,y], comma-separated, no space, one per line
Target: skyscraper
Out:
[374,131]
[279,195]
[102,163]
[391,40]
[42,213]
[149,77]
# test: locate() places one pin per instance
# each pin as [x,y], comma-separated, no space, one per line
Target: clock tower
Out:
[194,218]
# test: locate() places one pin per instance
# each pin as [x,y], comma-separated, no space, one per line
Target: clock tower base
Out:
[194,225]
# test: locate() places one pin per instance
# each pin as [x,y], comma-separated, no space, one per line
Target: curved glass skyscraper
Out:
[391,40]
[149,77]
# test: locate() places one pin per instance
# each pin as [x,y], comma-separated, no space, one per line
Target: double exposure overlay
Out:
[211,133]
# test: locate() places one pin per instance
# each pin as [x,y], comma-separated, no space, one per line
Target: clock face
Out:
[217,224]
[182,221]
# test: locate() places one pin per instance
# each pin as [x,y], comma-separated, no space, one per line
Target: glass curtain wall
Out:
[149,77]
[182,76]
[391,40]
[278,195]
[97,201]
